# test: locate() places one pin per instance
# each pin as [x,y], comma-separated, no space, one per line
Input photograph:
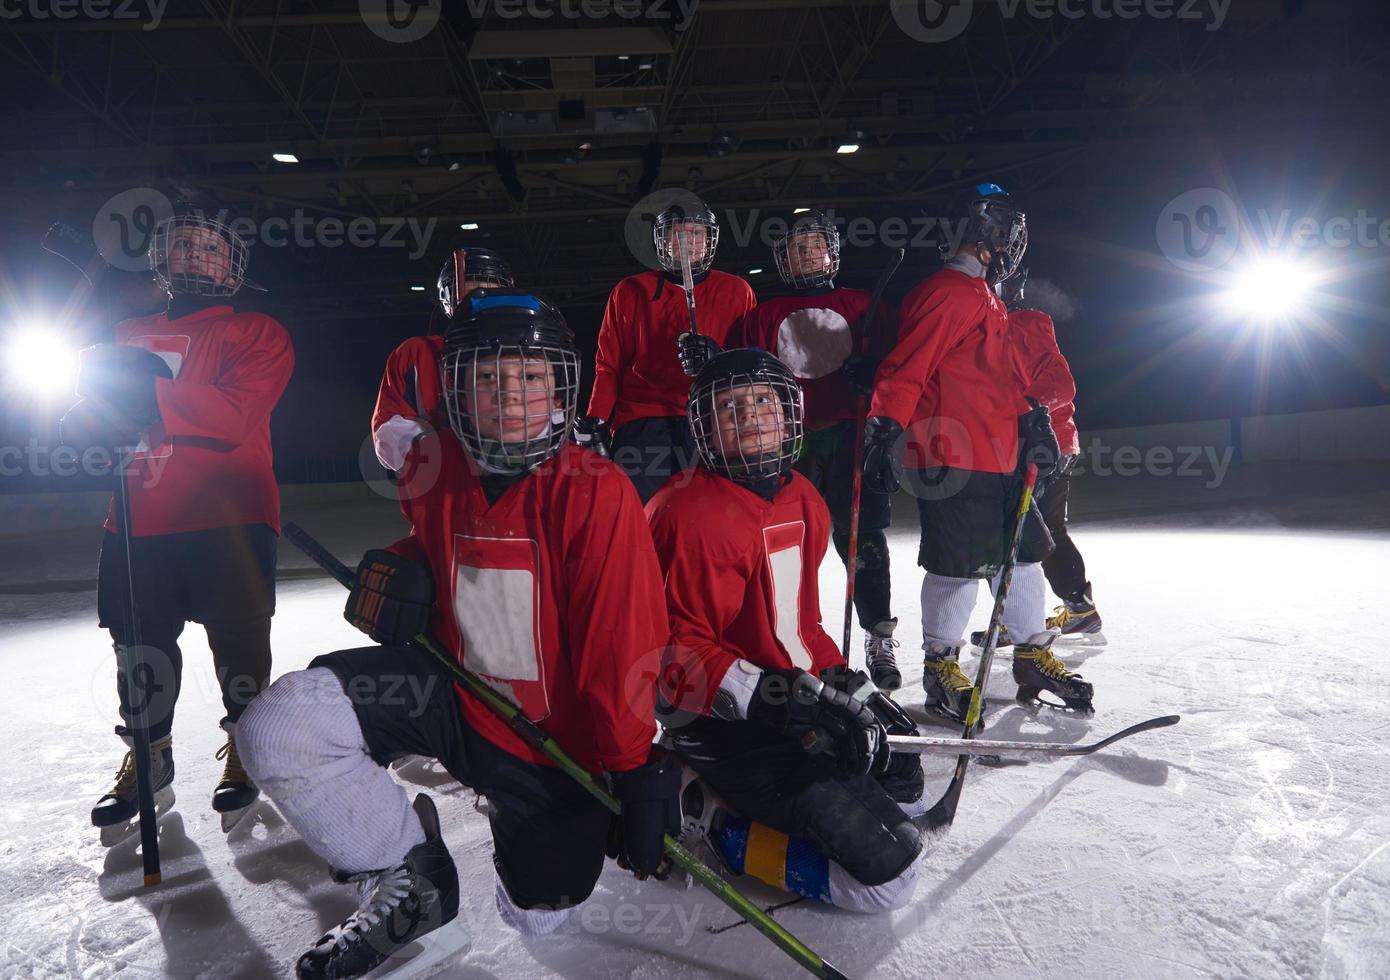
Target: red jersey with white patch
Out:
[208,463]
[636,371]
[552,595]
[812,333]
[742,581]
[951,381]
[410,400]
[1046,373]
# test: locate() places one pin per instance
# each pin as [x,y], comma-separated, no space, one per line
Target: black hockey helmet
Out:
[478,265]
[746,415]
[198,252]
[668,242]
[994,221]
[510,377]
[808,225]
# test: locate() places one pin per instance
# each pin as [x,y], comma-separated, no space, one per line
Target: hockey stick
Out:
[943,811]
[805,957]
[914,745]
[688,281]
[132,652]
[852,551]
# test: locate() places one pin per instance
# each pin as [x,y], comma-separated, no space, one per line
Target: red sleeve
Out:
[392,397]
[934,318]
[613,354]
[705,584]
[615,618]
[1046,370]
[748,331]
[253,376]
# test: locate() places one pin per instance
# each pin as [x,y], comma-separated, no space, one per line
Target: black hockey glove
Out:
[591,432]
[87,425]
[1037,441]
[859,371]
[650,795]
[391,599]
[694,350]
[120,379]
[903,775]
[883,458]
[825,721]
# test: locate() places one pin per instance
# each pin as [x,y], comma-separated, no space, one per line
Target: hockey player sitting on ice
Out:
[409,403]
[754,695]
[531,562]
[952,379]
[192,388]
[816,331]
[646,352]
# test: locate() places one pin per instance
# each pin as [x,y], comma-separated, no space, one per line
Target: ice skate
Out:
[1037,669]
[117,813]
[879,647]
[1077,620]
[947,689]
[977,638]
[236,793]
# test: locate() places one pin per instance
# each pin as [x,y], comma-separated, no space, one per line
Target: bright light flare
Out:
[40,361]
[1269,289]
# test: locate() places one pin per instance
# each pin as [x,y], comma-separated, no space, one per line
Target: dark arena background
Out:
[1207,202]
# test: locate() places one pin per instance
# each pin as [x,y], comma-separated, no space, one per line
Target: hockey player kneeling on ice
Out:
[530,561]
[191,389]
[753,693]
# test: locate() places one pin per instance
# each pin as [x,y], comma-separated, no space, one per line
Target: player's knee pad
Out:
[847,892]
[300,723]
[860,828]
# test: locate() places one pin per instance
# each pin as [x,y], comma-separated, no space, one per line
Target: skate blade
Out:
[118,833]
[1076,707]
[232,819]
[1081,640]
[431,953]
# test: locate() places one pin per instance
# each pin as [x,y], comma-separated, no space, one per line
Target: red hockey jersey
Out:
[952,381]
[742,581]
[636,373]
[552,595]
[1046,373]
[410,400]
[813,333]
[207,462]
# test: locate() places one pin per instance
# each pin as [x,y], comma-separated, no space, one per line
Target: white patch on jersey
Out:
[783,545]
[498,616]
[814,342]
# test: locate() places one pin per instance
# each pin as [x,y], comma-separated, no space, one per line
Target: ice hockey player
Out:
[409,404]
[647,353]
[1049,380]
[754,695]
[951,378]
[530,561]
[814,330]
[192,389]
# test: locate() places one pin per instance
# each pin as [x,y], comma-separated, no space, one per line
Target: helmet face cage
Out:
[194,254]
[511,405]
[480,266]
[1011,290]
[672,225]
[1003,229]
[747,426]
[791,270]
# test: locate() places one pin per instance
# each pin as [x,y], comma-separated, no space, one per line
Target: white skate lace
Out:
[381,894]
[878,650]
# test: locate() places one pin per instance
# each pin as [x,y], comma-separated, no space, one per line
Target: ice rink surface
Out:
[1253,840]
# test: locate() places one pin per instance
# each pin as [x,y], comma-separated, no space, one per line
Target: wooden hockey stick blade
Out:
[913,744]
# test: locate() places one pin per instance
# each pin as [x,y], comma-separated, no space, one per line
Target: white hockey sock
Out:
[529,922]
[848,893]
[301,743]
[946,607]
[1024,612]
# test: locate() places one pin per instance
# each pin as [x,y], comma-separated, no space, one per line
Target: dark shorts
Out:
[828,462]
[548,833]
[967,518]
[219,576]
[852,820]
[651,450]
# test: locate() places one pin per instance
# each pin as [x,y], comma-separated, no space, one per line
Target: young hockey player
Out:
[754,695]
[952,378]
[646,352]
[409,403]
[192,389]
[529,561]
[814,331]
